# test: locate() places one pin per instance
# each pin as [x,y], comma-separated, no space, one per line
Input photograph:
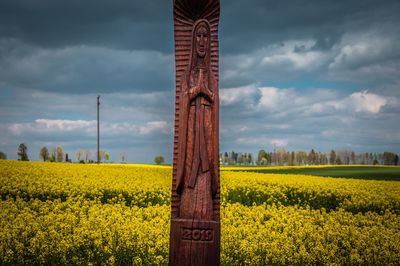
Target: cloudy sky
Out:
[295,74]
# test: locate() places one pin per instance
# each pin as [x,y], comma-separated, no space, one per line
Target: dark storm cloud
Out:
[117,24]
[275,41]
[86,46]
[83,69]
[247,26]
[110,46]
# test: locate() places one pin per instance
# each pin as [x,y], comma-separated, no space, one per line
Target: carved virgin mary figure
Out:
[197,176]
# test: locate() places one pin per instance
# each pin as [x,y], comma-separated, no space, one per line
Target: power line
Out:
[98,129]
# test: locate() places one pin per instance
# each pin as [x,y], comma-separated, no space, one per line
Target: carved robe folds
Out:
[197,181]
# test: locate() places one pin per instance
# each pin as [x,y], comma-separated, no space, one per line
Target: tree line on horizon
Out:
[57,154]
[282,157]
[82,156]
[279,157]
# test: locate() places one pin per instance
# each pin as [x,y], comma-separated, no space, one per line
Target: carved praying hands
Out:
[201,88]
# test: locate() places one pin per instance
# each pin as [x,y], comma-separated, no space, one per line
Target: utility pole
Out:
[98,130]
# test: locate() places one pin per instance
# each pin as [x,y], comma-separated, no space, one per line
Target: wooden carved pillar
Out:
[195,222]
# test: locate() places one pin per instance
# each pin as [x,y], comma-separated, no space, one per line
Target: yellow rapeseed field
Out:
[55,213]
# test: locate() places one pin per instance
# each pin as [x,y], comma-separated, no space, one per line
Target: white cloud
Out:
[286,60]
[279,142]
[259,141]
[287,54]
[262,141]
[349,54]
[88,128]
[117,129]
[367,56]
[244,129]
[52,126]
[330,133]
[66,125]
[155,126]
[363,102]
[272,97]
[367,102]
[362,49]
[288,101]
[277,126]
[246,95]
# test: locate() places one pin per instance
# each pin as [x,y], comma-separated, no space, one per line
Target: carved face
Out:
[202,42]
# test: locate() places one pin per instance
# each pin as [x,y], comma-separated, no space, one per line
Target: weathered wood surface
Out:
[195,222]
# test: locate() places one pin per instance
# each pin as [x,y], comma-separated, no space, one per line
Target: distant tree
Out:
[3,156]
[370,158]
[363,159]
[87,155]
[159,159]
[287,158]
[332,157]
[240,159]
[123,155]
[52,157]
[389,158]
[221,159]
[261,158]
[380,158]
[22,152]
[234,157]
[106,156]
[301,157]
[250,159]
[292,160]
[44,154]
[323,159]
[226,158]
[66,158]
[59,154]
[78,155]
[396,159]
[312,158]
[353,157]
[345,156]
[375,158]
[338,161]
[102,154]
[281,157]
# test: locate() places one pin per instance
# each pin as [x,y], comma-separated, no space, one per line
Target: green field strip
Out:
[356,172]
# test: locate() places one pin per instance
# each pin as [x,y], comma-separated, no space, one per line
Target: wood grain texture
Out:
[195,203]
